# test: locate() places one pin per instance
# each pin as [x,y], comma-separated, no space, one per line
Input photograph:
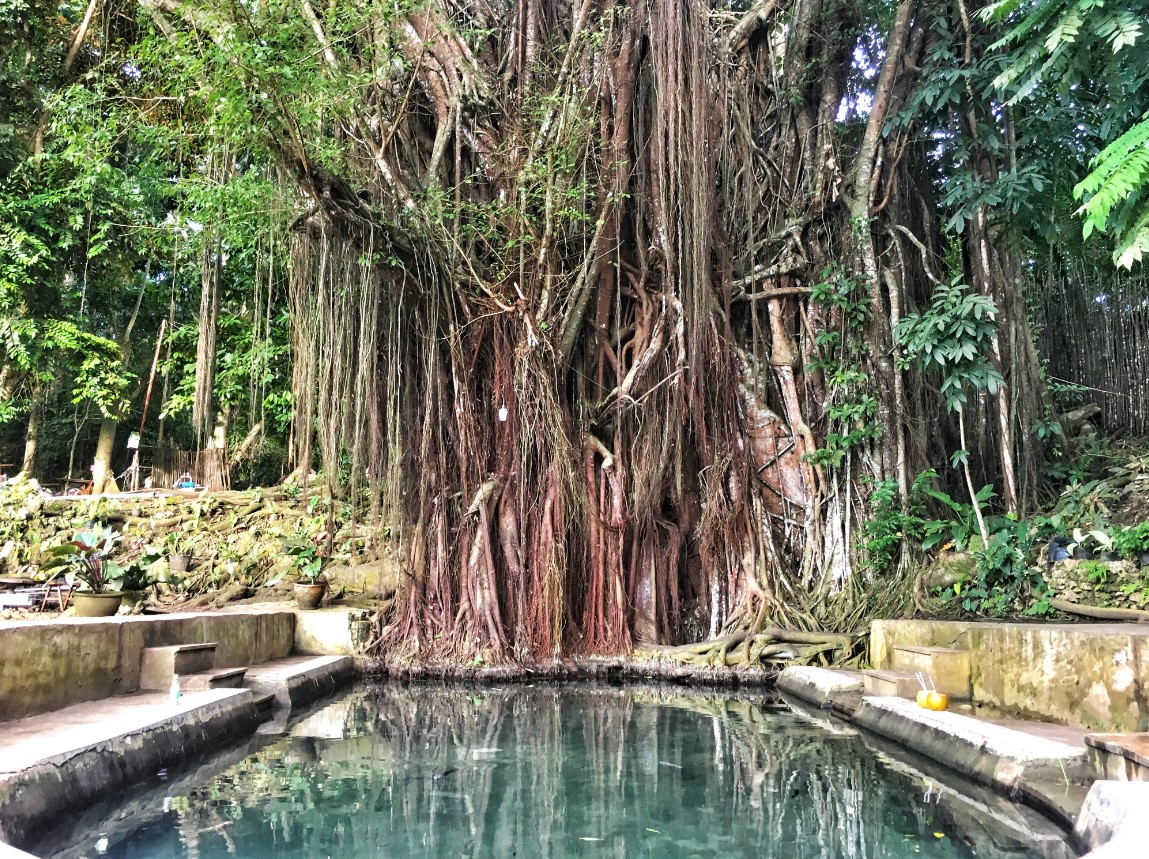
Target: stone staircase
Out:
[947,667]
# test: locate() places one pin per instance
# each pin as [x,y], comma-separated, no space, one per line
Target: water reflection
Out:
[561,771]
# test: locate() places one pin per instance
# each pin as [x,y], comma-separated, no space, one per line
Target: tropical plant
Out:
[180,543]
[87,558]
[308,562]
[954,335]
[137,576]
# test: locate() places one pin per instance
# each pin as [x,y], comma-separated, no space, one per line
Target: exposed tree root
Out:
[1100,613]
[771,645]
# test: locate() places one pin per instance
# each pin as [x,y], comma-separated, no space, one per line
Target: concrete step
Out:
[159,664]
[892,684]
[948,667]
[223,678]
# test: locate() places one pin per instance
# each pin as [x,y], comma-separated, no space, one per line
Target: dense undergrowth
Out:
[1099,517]
[240,544]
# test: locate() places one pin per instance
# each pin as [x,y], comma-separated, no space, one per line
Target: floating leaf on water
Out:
[588,838]
[655,831]
[939,835]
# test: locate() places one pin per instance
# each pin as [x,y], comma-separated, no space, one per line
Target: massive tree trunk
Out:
[609,294]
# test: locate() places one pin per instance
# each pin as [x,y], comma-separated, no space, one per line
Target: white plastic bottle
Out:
[174,694]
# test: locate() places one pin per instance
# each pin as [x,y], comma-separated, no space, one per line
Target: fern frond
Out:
[1119,171]
[1133,245]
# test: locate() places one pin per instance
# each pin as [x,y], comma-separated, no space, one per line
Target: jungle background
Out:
[615,323]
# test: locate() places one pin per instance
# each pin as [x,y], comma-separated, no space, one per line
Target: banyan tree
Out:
[600,301]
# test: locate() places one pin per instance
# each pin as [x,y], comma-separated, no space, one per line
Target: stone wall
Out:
[1093,676]
[1120,584]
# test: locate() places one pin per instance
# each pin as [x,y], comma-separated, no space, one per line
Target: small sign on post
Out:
[134,441]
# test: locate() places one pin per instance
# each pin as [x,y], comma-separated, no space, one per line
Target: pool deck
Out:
[1045,765]
[55,762]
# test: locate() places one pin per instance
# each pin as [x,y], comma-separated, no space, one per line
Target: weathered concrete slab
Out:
[1114,822]
[890,684]
[51,664]
[988,753]
[1093,676]
[301,680]
[1121,757]
[819,686]
[945,668]
[158,665]
[324,632]
[88,750]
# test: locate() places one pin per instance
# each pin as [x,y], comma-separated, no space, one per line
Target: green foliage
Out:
[889,526]
[839,352]
[1095,572]
[307,560]
[1116,193]
[954,335]
[958,527]
[1130,542]
[1090,51]
[1005,583]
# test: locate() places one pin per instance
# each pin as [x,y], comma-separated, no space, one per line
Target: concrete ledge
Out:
[1114,822]
[991,754]
[301,680]
[87,751]
[819,686]
[1122,757]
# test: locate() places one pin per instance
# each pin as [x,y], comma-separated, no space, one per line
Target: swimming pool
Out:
[554,771]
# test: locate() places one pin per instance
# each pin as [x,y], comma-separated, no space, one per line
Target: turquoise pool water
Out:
[388,771]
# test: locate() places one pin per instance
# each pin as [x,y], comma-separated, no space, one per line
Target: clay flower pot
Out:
[96,605]
[308,595]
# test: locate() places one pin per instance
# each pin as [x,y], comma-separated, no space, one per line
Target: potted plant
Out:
[1133,543]
[137,578]
[310,585]
[180,548]
[87,560]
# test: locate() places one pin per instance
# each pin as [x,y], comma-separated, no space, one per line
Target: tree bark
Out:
[32,440]
[103,479]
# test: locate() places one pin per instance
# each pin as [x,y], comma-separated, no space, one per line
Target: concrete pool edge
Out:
[1107,819]
[85,756]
